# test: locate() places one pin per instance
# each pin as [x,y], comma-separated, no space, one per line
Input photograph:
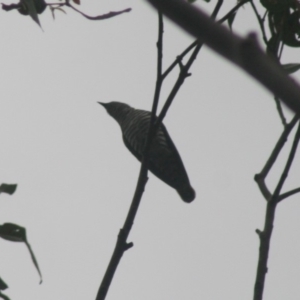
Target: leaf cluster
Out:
[14,233]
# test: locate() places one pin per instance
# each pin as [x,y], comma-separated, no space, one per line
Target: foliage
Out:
[14,233]
[35,7]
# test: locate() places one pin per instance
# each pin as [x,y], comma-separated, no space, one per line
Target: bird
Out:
[164,160]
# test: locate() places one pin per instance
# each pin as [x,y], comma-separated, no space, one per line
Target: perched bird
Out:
[163,158]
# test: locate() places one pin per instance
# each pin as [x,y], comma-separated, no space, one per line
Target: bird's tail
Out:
[187,193]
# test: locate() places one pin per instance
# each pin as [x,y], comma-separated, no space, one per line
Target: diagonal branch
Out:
[261,177]
[265,235]
[288,165]
[122,245]
[280,111]
[243,52]
[288,194]
[109,15]
[232,11]
[184,72]
[180,57]
[260,22]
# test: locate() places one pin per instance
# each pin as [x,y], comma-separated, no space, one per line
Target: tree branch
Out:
[288,194]
[260,22]
[261,177]
[243,52]
[280,111]
[232,11]
[122,245]
[265,235]
[184,72]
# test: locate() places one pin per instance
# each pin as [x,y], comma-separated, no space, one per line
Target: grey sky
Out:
[76,178]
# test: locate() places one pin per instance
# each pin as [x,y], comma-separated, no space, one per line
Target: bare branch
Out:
[265,235]
[100,17]
[288,165]
[184,73]
[232,11]
[122,245]
[179,58]
[242,52]
[280,111]
[288,194]
[260,22]
[260,178]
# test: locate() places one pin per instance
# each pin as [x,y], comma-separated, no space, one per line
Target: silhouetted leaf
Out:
[3,285]
[29,7]
[3,296]
[8,188]
[12,232]
[291,68]
[231,19]
[76,2]
[16,233]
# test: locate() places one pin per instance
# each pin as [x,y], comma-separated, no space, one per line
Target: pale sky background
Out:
[76,178]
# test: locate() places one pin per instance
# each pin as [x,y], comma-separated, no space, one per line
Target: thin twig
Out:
[180,57]
[216,9]
[122,245]
[99,17]
[265,235]
[245,53]
[288,194]
[283,138]
[260,22]
[277,100]
[232,11]
[184,72]
[285,173]
[261,177]
[280,111]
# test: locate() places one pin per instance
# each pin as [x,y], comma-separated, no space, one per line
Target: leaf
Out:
[3,285]
[76,2]
[31,8]
[291,68]
[16,233]
[3,296]
[8,188]
[12,232]
[231,19]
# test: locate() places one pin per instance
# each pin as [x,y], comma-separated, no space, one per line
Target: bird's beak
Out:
[103,104]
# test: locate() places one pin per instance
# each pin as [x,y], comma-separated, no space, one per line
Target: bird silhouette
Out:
[164,160]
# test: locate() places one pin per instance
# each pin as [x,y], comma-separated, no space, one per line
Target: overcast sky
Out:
[76,178]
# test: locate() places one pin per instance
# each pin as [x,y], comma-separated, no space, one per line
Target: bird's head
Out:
[117,110]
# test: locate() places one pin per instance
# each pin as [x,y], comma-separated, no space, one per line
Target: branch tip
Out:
[257,177]
[259,232]
[128,246]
